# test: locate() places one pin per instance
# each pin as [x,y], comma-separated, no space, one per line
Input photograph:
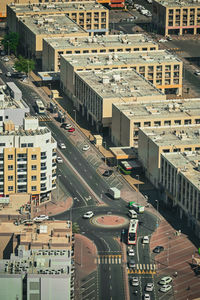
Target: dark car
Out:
[108,173]
[158,249]
[18,75]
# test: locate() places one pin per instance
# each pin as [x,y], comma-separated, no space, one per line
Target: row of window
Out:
[166,123]
[24,156]
[33,188]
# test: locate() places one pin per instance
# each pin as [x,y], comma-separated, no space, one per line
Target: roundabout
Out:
[109,221]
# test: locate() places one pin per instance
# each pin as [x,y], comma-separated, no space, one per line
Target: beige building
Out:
[179,182]
[176,17]
[27,160]
[94,92]
[33,29]
[4,3]
[54,47]
[128,117]
[91,16]
[156,140]
[159,67]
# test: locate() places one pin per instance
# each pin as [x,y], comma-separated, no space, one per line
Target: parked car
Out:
[86,147]
[63,125]
[165,288]
[68,126]
[88,215]
[8,74]
[132,263]
[149,287]
[41,218]
[108,173]
[5,59]
[135,281]
[197,73]
[146,297]
[131,252]
[165,280]
[62,146]
[59,160]
[158,249]
[145,239]
[72,129]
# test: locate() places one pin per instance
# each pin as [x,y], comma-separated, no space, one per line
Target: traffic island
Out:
[110,221]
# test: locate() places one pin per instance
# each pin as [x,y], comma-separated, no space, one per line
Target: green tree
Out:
[11,42]
[75,228]
[24,65]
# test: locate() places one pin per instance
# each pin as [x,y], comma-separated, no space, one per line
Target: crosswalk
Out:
[143,269]
[44,118]
[108,259]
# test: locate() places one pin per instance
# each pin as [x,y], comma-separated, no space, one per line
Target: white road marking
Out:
[82,198]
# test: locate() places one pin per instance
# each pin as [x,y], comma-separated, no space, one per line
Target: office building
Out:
[153,141]
[160,68]
[91,16]
[27,159]
[179,183]
[54,47]
[176,17]
[157,113]
[33,29]
[95,92]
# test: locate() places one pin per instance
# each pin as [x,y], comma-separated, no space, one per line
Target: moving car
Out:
[158,249]
[8,74]
[5,59]
[72,129]
[62,146]
[146,297]
[131,252]
[165,288]
[132,263]
[165,280]
[145,239]
[41,218]
[86,147]
[59,160]
[135,281]
[197,73]
[149,287]
[88,215]
[68,126]
[108,173]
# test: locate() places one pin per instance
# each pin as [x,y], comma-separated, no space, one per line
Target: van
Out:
[132,214]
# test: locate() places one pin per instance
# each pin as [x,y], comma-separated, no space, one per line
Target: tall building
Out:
[134,115]
[27,159]
[153,141]
[159,67]
[179,183]
[176,17]
[54,47]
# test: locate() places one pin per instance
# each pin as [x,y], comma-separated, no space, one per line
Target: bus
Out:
[39,106]
[125,167]
[132,232]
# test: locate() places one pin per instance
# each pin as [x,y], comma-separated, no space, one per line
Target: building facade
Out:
[28,160]
[153,141]
[54,47]
[157,113]
[176,17]
[179,183]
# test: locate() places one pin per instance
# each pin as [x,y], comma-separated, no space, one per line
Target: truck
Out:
[114,192]
[138,208]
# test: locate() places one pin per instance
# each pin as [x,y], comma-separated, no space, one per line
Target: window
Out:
[33,156]
[47,141]
[102,51]
[10,188]
[94,51]
[77,51]
[68,52]
[147,124]
[2,144]
[165,150]
[137,124]
[136,49]
[30,144]
[33,178]
[10,167]
[10,178]
[188,149]
[197,121]
[168,123]
[177,122]
[144,49]
[10,157]
[1,118]
[6,117]
[85,51]
[23,145]
[157,123]
[33,167]
[187,122]
[33,188]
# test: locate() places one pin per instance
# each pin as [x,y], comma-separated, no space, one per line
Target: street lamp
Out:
[74,115]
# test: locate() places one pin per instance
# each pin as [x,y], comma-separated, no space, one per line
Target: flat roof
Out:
[119,84]
[8,102]
[21,132]
[178,3]
[123,58]
[56,7]
[101,41]
[51,24]
[183,108]
[187,164]
[173,135]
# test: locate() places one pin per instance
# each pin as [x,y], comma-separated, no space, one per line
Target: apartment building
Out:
[27,159]
[153,141]
[91,16]
[96,91]
[176,17]
[43,267]
[157,113]
[159,67]
[33,29]
[179,182]
[54,47]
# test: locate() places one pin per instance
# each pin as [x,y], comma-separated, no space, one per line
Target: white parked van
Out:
[132,214]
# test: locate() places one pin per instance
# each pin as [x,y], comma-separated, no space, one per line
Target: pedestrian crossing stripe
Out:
[108,259]
[143,269]
[44,119]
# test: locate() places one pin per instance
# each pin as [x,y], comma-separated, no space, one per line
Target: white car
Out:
[145,239]
[5,59]
[135,281]
[162,41]
[8,74]
[59,160]
[197,73]
[131,252]
[165,288]
[86,147]
[68,126]
[165,280]
[88,215]
[41,218]
[62,146]
[149,287]
[146,297]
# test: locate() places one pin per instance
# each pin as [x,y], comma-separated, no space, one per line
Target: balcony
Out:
[21,170]
[22,159]
[43,188]
[54,154]
[54,185]
[43,168]
[53,165]
[43,178]
[44,157]
[22,180]
[54,175]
